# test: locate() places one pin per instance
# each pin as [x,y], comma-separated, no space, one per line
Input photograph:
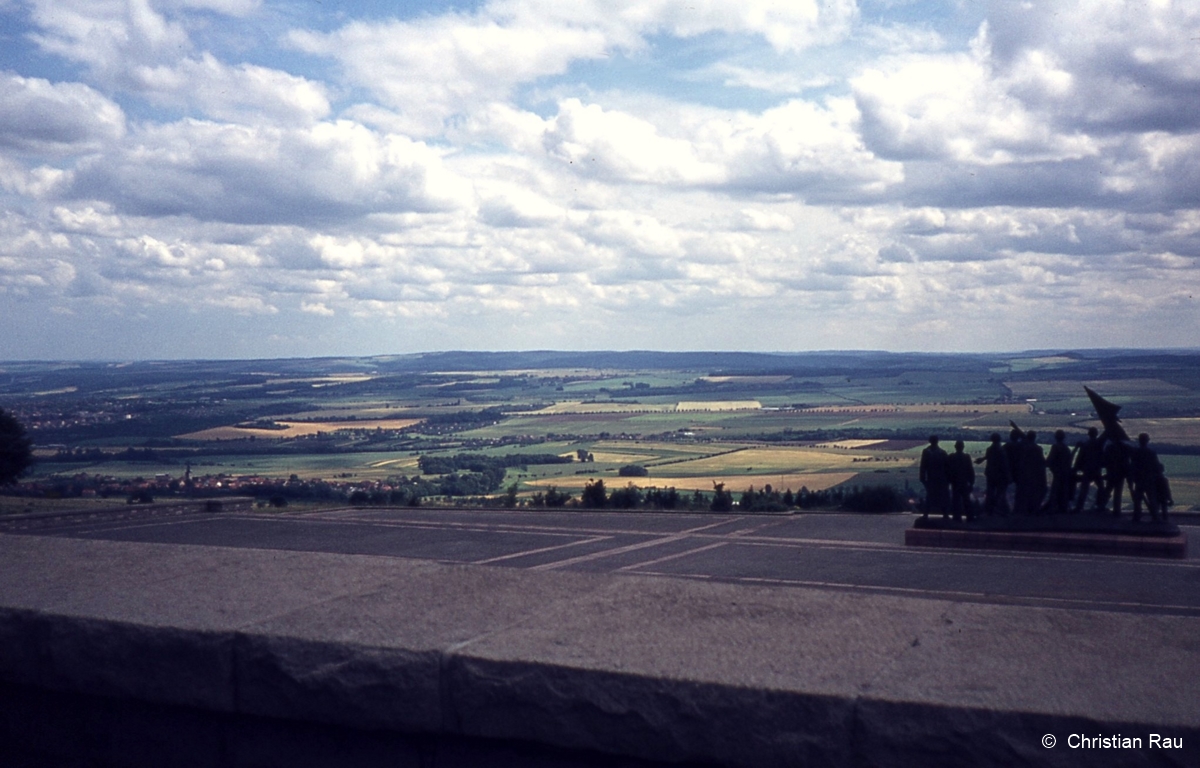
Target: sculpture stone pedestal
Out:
[1072,534]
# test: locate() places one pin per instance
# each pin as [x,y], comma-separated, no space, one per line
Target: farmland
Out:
[688,421]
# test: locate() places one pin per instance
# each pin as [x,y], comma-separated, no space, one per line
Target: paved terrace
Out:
[438,637]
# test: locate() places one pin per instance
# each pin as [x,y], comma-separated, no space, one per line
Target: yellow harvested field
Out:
[783,460]
[409,461]
[348,413]
[719,405]
[621,458]
[850,444]
[813,481]
[581,407]
[663,448]
[296,429]
[746,379]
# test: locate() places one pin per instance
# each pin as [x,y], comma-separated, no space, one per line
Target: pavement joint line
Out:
[608,553]
[537,529]
[1078,603]
[746,537]
[749,531]
[105,529]
[788,542]
[539,551]
[581,531]
[711,525]
[472,527]
[736,537]
[665,558]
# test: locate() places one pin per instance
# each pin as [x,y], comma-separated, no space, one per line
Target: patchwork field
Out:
[690,419]
[574,407]
[1112,388]
[718,405]
[290,429]
[815,481]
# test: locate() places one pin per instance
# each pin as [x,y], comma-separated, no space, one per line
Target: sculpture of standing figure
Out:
[1116,470]
[1144,473]
[1031,476]
[1059,464]
[935,476]
[1089,466]
[1012,451]
[962,480]
[998,476]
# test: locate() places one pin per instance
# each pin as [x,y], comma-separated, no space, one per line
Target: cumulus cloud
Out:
[431,69]
[55,118]
[1125,67]
[435,68]
[955,106]
[265,174]
[621,146]
[538,173]
[242,93]
[143,46]
[109,37]
[799,147]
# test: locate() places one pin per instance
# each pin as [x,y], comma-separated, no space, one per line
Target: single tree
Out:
[510,497]
[594,496]
[722,499]
[16,449]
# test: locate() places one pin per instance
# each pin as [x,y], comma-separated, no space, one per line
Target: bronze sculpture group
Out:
[1108,460]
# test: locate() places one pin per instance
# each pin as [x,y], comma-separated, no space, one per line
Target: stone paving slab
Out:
[653,668]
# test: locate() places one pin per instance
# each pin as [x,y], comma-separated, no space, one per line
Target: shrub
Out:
[628,497]
[594,495]
[874,498]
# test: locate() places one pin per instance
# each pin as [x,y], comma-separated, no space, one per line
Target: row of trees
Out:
[874,498]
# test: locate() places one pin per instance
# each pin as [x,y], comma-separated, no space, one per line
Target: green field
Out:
[356,421]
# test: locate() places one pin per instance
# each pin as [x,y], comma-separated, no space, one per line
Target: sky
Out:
[256,178]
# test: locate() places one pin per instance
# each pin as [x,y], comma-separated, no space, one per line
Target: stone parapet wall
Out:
[408,662]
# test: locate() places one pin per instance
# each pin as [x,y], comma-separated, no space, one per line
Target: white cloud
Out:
[764,221]
[1133,66]
[435,68]
[537,173]
[772,81]
[265,174]
[316,308]
[110,37]
[804,148]
[955,106]
[621,146]
[55,118]
[243,93]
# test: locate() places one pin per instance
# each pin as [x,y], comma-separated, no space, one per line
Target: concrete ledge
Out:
[249,646]
[33,520]
[1047,541]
